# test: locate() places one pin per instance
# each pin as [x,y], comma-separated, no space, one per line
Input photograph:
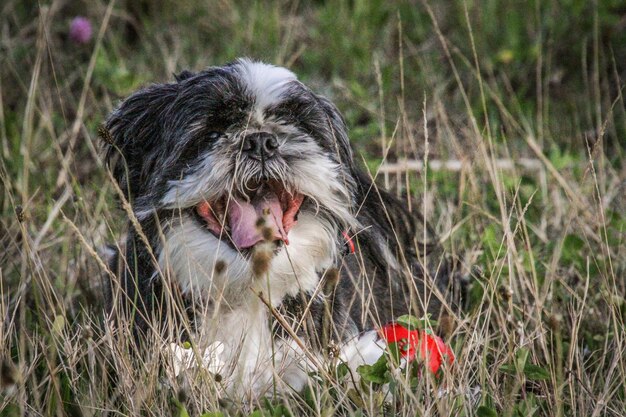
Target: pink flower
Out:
[432,349]
[80,30]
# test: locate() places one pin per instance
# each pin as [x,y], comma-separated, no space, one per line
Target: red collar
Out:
[348,241]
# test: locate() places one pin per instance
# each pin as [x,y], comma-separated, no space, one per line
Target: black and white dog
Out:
[253,221]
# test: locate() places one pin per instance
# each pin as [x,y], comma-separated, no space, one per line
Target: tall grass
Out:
[513,109]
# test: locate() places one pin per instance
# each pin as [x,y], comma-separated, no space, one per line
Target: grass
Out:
[467,82]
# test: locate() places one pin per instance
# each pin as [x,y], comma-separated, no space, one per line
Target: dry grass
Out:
[549,240]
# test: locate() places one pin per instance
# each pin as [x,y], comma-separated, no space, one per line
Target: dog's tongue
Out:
[243,218]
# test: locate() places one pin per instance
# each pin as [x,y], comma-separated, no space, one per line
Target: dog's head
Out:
[230,158]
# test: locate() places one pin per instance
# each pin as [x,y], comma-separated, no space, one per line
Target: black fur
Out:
[154,143]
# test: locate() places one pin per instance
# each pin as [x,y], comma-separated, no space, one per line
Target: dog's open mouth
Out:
[267,212]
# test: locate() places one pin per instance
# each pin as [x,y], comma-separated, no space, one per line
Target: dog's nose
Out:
[260,145]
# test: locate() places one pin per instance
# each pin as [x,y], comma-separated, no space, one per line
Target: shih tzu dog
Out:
[252,226]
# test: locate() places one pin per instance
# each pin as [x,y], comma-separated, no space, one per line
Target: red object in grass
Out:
[432,349]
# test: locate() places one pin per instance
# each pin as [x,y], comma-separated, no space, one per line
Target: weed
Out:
[502,121]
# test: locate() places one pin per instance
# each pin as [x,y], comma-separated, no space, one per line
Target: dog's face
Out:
[232,158]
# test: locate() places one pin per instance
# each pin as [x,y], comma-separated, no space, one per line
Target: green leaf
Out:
[535,372]
[527,407]
[309,395]
[58,325]
[182,411]
[341,371]
[281,411]
[573,242]
[356,398]
[410,322]
[484,411]
[521,357]
[267,404]
[521,365]
[508,368]
[213,414]
[394,352]
[376,373]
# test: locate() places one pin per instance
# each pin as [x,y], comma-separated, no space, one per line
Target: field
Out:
[504,122]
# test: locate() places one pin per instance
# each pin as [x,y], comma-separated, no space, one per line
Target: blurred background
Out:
[552,68]
[516,107]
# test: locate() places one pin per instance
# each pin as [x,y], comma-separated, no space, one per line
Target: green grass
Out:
[466,81]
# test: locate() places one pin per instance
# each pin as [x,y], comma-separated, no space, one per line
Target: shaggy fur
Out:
[250,136]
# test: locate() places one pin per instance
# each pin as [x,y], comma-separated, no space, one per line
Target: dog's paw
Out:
[187,358]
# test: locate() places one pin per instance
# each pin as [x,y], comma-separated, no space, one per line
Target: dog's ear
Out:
[337,131]
[360,179]
[132,133]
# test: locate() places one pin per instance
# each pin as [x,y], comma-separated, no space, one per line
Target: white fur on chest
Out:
[232,312]
[253,360]
[190,254]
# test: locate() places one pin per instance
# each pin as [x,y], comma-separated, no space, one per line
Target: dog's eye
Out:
[213,135]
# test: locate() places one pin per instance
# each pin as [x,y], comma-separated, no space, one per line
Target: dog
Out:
[253,224]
